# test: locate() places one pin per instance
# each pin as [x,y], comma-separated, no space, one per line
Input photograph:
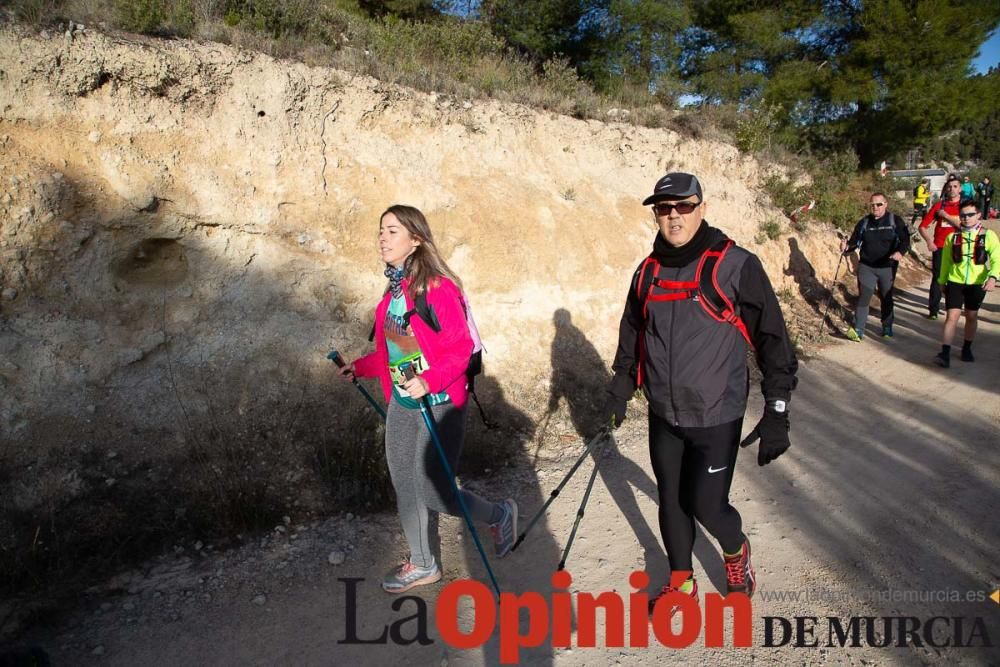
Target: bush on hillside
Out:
[755,128]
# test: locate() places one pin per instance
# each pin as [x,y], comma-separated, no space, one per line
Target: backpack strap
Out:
[650,267]
[425,311]
[957,246]
[979,247]
[860,241]
[704,288]
[487,422]
[713,300]
[893,220]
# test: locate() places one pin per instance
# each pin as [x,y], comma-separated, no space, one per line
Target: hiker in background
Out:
[921,194]
[414,267]
[881,240]
[944,188]
[944,216]
[969,269]
[985,192]
[968,190]
[694,307]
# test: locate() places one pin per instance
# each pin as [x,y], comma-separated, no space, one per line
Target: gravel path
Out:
[887,502]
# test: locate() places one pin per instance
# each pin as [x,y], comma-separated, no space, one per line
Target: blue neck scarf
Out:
[395,276]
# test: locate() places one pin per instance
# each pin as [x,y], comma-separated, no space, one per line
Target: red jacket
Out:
[447,352]
[943,227]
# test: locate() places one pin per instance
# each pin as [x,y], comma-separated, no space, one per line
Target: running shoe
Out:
[887,332]
[408,575]
[854,334]
[941,360]
[740,577]
[932,316]
[505,530]
[670,589]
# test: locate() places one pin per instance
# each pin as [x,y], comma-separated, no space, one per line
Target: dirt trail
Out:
[891,485]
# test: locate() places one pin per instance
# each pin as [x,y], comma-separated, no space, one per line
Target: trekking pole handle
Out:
[409,374]
[335,357]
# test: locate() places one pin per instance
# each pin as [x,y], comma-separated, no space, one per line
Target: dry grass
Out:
[452,56]
[230,466]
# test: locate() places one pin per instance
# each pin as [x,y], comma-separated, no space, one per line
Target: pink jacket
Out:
[447,353]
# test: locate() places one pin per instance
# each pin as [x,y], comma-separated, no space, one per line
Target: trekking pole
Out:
[579,513]
[335,357]
[555,492]
[425,411]
[832,285]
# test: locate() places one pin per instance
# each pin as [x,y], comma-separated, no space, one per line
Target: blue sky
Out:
[989,53]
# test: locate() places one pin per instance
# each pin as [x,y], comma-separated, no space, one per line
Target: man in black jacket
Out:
[985,192]
[693,308]
[881,239]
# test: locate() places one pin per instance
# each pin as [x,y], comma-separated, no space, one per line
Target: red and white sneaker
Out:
[740,577]
[670,589]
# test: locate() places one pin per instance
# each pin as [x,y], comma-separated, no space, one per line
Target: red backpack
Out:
[704,289]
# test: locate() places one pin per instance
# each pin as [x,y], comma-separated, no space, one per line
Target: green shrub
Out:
[833,183]
[142,16]
[770,229]
[783,193]
[275,17]
[755,127]
[182,17]
[37,12]
[559,77]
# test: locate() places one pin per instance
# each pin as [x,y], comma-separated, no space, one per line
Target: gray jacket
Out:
[694,368]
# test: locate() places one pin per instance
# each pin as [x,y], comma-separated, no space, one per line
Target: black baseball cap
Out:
[675,184]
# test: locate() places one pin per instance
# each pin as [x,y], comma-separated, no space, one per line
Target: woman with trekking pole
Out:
[422,369]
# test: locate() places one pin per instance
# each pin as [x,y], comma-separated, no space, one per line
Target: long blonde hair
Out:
[425,264]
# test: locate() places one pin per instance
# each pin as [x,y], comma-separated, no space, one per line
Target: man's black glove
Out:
[772,431]
[619,391]
[614,411]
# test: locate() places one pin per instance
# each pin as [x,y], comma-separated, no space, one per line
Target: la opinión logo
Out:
[627,620]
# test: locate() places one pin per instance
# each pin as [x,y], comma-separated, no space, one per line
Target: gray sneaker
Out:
[408,575]
[505,530]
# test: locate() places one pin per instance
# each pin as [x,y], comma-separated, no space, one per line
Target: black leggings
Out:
[694,470]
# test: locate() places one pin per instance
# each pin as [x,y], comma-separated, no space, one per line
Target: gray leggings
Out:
[868,278]
[418,477]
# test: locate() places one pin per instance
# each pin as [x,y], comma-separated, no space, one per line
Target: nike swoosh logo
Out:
[711,469]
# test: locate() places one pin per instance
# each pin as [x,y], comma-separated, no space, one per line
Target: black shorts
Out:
[963,296]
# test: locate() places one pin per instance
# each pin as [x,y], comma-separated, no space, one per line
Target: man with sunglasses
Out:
[690,362]
[970,267]
[881,240]
[944,216]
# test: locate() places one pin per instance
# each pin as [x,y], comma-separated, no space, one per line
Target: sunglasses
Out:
[878,203]
[682,207]
[966,216]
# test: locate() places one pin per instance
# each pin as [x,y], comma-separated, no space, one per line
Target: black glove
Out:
[614,411]
[619,391]
[772,431]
